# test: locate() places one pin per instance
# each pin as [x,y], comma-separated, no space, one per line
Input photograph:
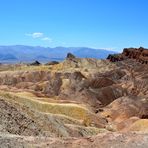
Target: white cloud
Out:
[35,34]
[39,35]
[47,39]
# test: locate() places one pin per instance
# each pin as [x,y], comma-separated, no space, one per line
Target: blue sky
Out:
[110,24]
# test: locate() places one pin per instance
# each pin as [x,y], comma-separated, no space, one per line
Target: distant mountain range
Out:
[20,53]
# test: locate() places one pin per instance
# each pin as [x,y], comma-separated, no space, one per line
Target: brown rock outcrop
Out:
[115,57]
[36,63]
[70,56]
[140,54]
[52,63]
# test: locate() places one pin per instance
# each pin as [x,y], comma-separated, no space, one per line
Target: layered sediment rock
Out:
[79,97]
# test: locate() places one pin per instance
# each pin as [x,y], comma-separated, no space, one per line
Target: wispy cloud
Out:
[47,39]
[108,48]
[39,35]
[35,35]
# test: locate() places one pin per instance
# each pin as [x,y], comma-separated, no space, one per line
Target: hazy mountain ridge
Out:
[23,53]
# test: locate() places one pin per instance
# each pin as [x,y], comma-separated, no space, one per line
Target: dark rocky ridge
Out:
[139,54]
